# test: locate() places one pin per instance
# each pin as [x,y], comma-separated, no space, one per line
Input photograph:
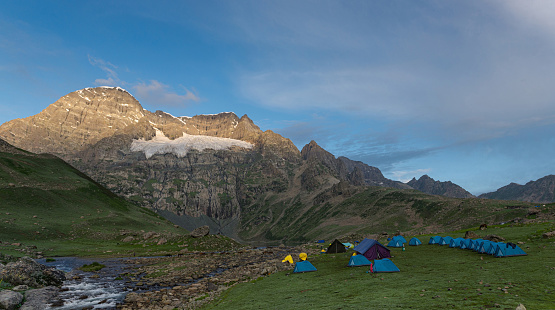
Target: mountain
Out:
[50,204]
[539,191]
[223,171]
[430,186]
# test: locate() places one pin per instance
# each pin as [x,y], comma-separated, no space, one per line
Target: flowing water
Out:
[103,289]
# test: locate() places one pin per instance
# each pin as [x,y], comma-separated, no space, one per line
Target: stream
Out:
[104,289]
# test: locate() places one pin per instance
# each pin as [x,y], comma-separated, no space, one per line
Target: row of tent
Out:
[399,241]
[366,250]
[497,249]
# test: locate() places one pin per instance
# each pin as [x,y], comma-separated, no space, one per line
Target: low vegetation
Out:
[431,277]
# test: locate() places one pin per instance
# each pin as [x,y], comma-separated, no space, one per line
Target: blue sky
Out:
[459,90]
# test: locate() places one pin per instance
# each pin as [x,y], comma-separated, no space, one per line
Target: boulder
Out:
[28,272]
[128,239]
[494,238]
[520,307]
[9,300]
[200,232]
[150,234]
[38,299]
[162,241]
[470,235]
[550,234]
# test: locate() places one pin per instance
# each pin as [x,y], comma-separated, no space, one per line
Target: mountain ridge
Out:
[94,130]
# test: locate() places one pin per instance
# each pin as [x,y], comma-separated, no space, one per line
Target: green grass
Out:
[431,277]
[95,266]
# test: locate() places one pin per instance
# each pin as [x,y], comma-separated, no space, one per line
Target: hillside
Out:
[539,191]
[223,171]
[47,203]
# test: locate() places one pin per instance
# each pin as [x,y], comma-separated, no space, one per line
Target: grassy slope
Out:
[370,211]
[47,203]
[431,277]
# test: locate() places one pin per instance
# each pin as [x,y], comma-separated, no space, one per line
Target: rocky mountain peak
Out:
[430,186]
[313,150]
[77,119]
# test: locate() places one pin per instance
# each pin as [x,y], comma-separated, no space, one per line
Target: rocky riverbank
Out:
[197,278]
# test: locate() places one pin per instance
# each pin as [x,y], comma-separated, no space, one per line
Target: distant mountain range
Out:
[219,170]
[539,191]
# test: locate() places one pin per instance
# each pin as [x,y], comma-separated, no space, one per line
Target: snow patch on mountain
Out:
[161,144]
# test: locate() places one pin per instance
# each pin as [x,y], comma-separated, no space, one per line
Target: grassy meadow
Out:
[431,277]
[49,207]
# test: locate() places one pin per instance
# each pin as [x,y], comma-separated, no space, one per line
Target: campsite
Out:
[430,277]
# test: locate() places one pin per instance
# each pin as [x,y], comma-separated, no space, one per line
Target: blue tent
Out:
[321,241]
[456,243]
[493,247]
[508,249]
[372,249]
[415,241]
[474,244]
[400,238]
[395,243]
[384,265]
[304,266]
[484,246]
[445,240]
[434,240]
[465,244]
[359,260]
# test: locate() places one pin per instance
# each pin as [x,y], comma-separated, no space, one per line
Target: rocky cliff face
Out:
[429,186]
[220,168]
[539,191]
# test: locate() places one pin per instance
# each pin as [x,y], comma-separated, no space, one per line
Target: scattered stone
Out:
[20,288]
[470,235]
[38,299]
[200,231]
[9,300]
[150,234]
[27,271]
[162,241]
[494,238]
[128,239]
[550,234]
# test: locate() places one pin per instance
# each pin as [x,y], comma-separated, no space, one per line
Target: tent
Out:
[384,265]
[493,247]
[400,238]
[456,243]
[465,243]
[474,244]
[321,241]
[304,266]
[415,241]
[372,249]
[445,240]
[348,245]
[434,240]
[336,247]
[484,246]
[395,243]
[358,260]
[508,249]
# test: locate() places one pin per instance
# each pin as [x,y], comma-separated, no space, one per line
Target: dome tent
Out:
[372,249]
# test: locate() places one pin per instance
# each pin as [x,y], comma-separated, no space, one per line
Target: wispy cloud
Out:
[405,176]
[108,68]
[153,92]
[161,94]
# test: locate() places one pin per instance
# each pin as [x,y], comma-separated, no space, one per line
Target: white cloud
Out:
[110,70]
[160,94]
[405,176]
